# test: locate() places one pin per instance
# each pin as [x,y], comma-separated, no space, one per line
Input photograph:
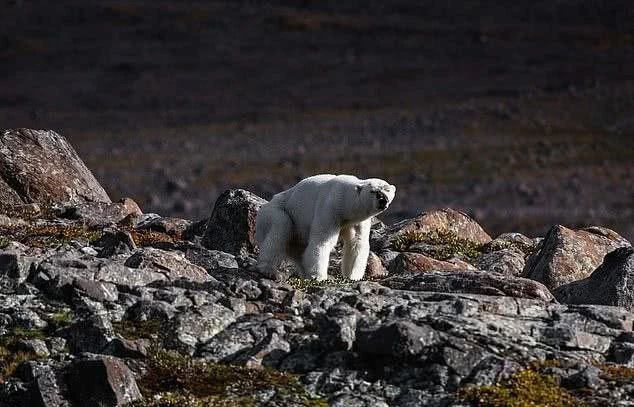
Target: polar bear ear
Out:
[358,188]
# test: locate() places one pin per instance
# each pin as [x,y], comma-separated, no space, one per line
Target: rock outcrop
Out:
[40,166]
[612,283]
[567,255]
[140,313]
[231,227]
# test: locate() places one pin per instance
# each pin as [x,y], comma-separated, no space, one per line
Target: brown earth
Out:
[520,115]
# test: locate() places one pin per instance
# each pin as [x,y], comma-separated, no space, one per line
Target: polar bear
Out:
[303,224]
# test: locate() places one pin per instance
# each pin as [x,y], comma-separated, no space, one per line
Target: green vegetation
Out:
[11,356]
[176,380]
[307,284]
[526,388]
[137,329]
[48,235]
[444,244]
[59,320]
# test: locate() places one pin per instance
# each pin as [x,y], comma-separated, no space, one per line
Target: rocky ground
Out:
[520,115]
[104,305]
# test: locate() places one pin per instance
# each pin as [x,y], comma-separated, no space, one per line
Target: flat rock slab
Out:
[419,263]
[474,282]
[41,166]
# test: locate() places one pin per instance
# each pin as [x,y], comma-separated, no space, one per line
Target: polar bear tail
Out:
[272,231]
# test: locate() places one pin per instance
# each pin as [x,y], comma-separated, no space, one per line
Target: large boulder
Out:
[567,255]
[41,166]
[102,382]
[417,263]
[612,283]
[506,261]
[472,282]
[231,227]
[94,214]
[437,220]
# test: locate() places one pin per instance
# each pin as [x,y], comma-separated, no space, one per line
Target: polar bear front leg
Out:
[356,249]
[317,254]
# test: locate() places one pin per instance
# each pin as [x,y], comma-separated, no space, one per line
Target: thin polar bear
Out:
[303,224]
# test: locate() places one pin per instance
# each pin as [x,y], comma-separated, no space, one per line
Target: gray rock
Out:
[506,261]
[338,327]
[113,242]
[231,227]
[474,282]
[612,283]
[45,388]
[95,214]
[14,268]
[198,325]
[419,263]
[102,382]
[568,255]
[398,339]
[91,334]
[41,166]
[212,260]
[172,265]
[515,241]
[97,290]
[171,226]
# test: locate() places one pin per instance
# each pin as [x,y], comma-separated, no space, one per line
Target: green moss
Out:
[307,284]
[10,354]
[526,388]
[137,329]
[444,244]
[176,380]
[59,320]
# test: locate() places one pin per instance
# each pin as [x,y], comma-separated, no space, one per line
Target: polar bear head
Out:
[375,195]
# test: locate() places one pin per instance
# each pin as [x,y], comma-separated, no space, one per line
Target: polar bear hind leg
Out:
[356,249]
[272,232]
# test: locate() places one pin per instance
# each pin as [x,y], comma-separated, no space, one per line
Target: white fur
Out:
[303,224]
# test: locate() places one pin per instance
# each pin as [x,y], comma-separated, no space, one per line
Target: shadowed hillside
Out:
[521,115]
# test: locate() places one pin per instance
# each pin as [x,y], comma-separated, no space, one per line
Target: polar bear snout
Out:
[382,200]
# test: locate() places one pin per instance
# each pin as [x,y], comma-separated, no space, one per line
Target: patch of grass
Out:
[176,380]
[306,284]
[48,235]
[59,320]
[526,388]
[10,360]
[614,372]
[145,237]
[10,355]
[137,329]
[445,244]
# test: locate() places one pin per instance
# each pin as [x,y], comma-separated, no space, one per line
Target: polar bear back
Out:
[318,195]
